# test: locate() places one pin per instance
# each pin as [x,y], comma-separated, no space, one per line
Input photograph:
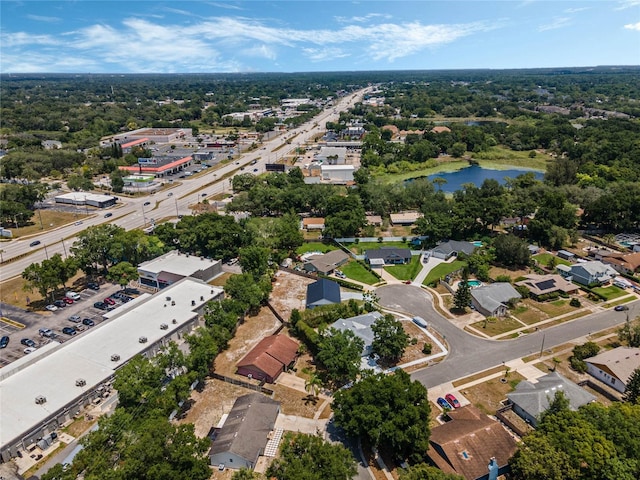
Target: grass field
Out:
[360,248]
[407,271]
[501,325]
[443,269]
[356,271]
[501,157]
[315,247]
[545,258]
[50,219]
[12,292]
[610,292]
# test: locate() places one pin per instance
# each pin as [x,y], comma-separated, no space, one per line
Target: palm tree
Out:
[313,384]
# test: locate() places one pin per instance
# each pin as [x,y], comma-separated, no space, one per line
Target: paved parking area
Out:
[55,321]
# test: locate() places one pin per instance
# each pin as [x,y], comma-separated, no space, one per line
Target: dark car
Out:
[35,243]
[88,322]
[60,303]
[131,291]
[444,404]
[93,286]
[453,401]
[146,204]
[101,305]
[109,301]
[27,342]
[107,215]
[67,300]
[4,341]
[621,308]
[69,331]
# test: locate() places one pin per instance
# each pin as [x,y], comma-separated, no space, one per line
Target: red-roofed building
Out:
[161,167]
[269,358]
[126,147]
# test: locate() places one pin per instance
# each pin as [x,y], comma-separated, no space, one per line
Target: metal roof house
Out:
[322,292]
[245,433]
[614,367]
[491,300]
[530,400]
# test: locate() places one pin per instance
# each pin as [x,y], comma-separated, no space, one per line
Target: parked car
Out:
[88,322]
[80,327]
[421,322]
[131,291]
[93,286]
[60,303]
[109,301]
[4,341]
[69,331]
[46,332]
[146,204]
[444,404]
[27,342]
[73,295]
[107,215]
[453,401]
[51,308]
[74,319]
[621,308]
[29,350]
[67,300]
[170,194]
[100,305]
[35,243]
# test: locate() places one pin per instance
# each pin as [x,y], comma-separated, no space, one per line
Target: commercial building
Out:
[173,266]
[47,389]
[157,135]
[338,174]
[84,198]
[159,166]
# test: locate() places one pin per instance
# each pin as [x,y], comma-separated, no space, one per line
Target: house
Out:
[326,263]
[313,223]
[530,400]
[466,444]
[322,292]
[588,273]
[446,250]
[404,218]
[387,256]
[245,432]
[269,358]
[624,263]
[533,249]
[491,300]
[375,220]
[540,285]
[614,367]
[565,255]
[361,327]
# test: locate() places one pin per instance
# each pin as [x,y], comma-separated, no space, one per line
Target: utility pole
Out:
[64,247]
[542,346]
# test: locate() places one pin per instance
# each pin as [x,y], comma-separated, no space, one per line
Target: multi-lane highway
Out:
[132,213]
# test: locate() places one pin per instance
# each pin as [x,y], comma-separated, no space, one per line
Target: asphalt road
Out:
[470,354]
[132,213]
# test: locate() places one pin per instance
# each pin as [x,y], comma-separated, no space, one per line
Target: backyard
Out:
[546,258]
[315,247]
[361,247]
[442,270]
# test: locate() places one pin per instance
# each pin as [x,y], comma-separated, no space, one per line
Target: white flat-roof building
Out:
[337,173]
[173,266]
[85,198]
[46,389]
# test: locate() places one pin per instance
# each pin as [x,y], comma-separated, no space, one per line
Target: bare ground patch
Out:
[414,351]
[289,292]
[295,402]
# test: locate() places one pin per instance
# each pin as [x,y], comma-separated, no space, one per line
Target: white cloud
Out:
[557,22]
[633,26]
[362,19]
[260,51]
[21,38]
[624,4]
[228,6]
[576,10]
[323,54]
[40,18]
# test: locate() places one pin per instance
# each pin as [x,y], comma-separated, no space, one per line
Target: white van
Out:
[72,295]
[421,322]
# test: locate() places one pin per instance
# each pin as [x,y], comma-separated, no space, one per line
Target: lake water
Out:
[476,175]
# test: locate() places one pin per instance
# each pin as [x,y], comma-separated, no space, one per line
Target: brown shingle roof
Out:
[466,444]
[271,354]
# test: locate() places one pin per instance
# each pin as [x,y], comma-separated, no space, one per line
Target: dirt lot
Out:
[289,292]
[414,352]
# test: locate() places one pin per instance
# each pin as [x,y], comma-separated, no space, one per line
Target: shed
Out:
[565,255]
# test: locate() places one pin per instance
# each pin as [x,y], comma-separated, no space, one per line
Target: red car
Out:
[109,301]
[67,300]
[453,401]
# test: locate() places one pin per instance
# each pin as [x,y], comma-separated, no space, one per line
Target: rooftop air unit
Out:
[164,326]
[40,400]
[115,357]
[142,339]
[81,382]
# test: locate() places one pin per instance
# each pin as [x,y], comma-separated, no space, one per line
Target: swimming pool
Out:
[474,283]
[477,243]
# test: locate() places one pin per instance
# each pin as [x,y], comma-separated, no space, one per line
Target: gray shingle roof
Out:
[492,296]
[323,292]
[535,398]
[387,253]
[451,246]
[360,326]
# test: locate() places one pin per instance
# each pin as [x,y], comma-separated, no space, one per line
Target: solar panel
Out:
[546,284]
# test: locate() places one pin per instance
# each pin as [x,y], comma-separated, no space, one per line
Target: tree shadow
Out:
[310,400]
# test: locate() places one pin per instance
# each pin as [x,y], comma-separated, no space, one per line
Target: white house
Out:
[614,367]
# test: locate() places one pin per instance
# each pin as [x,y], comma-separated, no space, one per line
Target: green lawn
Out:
[545,258]
[610,292]
[407,271]
[356,271]
[443,269]
[315,247]
[359,248]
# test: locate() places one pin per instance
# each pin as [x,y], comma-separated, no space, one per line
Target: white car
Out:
[73,296]
[29,350]
[51,308]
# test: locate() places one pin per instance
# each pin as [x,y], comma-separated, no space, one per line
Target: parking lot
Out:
[55,321]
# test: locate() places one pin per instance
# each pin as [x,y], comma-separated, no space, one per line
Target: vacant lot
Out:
[12,292]
[289,292]
[497,326]
[50,219]
[487,396]
[360,248]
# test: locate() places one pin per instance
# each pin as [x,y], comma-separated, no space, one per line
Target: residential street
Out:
[470,354]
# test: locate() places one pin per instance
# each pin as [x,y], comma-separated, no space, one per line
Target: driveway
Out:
[470,354]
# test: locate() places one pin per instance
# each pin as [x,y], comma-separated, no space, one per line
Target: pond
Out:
[476,175]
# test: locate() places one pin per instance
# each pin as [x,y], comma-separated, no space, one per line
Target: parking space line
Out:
[12,323]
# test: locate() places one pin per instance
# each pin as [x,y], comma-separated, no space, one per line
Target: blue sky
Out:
[306,35]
